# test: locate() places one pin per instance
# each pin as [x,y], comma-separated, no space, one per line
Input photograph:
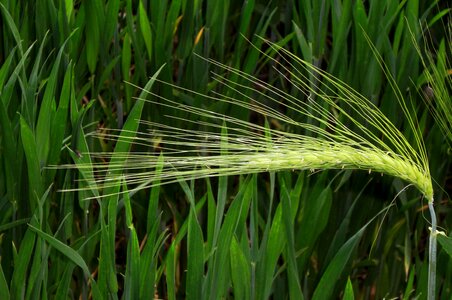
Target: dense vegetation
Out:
[71,69]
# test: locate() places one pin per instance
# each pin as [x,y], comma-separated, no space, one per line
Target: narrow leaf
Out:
[445,242]
[195,256]
[348,294]
[240,272]
[325,288]
[67,251]
[34,170]
[4,289]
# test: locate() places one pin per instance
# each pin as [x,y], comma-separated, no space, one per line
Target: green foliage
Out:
[69,70]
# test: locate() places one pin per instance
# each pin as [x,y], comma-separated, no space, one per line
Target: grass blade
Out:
[4,69]
[131,285]
[21,263]
[127,133]
[218,277]
[9,151]
[12,26]
[67,251]
[170,267]
[47,111]
[34,169]
[4,288]
[315,217]
[288,216]
[445,242]
[195,256]
[94,23]
[348,294]
[333,272]
[59,123]
[271,250]
[240,272]
[325,288]
[145,29]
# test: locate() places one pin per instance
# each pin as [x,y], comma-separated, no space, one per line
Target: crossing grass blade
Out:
[315,218]
[332,274]
[152,214]
[65,281]
[149,260]
[288,217]
[271,250]
[67,252]
[131,286]
[325,288]
[218,277]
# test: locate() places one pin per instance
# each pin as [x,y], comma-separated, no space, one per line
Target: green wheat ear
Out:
[342,130]
[331,107]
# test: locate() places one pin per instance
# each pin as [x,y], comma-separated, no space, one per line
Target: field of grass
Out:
[90,88]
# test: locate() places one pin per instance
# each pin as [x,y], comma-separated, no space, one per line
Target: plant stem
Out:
[432,254]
